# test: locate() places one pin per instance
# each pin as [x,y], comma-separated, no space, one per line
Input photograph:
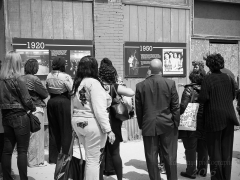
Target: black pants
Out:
[190,145]
[202,158]
[168,144]
[1,145]
[16,130]
[220,147]
[60,128]
[112,150]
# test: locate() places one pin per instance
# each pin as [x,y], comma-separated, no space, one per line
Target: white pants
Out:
[93,139]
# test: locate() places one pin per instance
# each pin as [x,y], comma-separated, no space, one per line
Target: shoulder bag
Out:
[35,124]
[188,119]
[118,107]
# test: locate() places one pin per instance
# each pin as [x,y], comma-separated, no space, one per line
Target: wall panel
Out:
[155,24]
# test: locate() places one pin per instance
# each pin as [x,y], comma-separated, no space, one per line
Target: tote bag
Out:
[69,167]
[188,120]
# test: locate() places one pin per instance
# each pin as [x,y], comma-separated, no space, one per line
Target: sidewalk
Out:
[134,165]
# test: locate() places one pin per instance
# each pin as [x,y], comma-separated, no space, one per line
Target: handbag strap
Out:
[70,151]
[117,95]
[193,95]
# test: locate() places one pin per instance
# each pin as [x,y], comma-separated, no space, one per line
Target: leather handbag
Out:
[118,107]
[188,120]
[69,167]
[35,124]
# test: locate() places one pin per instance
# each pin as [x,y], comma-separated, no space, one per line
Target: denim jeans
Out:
[16,130]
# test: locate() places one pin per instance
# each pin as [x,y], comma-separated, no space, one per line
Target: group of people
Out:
[84,105]
[158,114]
[173,61]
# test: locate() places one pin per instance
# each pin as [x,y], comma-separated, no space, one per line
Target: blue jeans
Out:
[16,130]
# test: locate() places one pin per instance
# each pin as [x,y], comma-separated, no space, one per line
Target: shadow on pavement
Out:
[136,176]
[138,164]
[236,154]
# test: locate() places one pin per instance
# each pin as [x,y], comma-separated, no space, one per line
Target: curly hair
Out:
[197,76]
[87,67]
[31,66]
[107,72]
[214,62]
[198,63]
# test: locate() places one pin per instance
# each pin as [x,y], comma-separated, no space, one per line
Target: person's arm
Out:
[68,83]
[186,98]
[99,104]
[204,94]
[24,94]
[40,89]
[139,109]
[122,90]
[174,105]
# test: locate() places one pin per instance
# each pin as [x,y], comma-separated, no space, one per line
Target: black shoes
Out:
[184,174]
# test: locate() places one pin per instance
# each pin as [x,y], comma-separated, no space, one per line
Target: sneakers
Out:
[184,174]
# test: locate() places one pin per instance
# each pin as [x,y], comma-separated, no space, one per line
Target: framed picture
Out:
[138,55]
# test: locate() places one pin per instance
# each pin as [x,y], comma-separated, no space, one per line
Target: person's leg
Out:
[151,144]
[1,150]
[114,150]
[190,145]
[168,143]
[202,159]
[227,149]
[9,144]
[22,134]
[214,140]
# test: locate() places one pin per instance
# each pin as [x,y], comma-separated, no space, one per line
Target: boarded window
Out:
[214,18]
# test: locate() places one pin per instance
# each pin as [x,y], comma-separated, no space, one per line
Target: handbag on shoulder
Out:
[118,107]
[69,167]
[188,120]
[35,124]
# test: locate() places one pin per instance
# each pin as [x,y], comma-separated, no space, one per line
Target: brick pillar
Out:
[108,32]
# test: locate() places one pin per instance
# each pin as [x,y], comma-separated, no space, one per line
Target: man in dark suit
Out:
[157,109]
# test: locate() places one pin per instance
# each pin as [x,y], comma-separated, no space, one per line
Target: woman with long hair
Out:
[15,102]
[38,93]
[108,75]
[59,85]
[90,118]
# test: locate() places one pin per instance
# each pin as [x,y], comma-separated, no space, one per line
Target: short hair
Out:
[214,62]
[11,64]
[197,76]
[31,66]
[107,72]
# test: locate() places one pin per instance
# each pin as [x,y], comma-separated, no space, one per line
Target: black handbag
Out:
[68,166]
[118,107]
[35,124]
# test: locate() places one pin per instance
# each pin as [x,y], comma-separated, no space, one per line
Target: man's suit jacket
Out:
[157,105]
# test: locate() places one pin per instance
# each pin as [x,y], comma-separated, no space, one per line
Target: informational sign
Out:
[44,50]
[138,55]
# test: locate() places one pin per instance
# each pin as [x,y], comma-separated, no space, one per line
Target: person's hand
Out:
[111,137]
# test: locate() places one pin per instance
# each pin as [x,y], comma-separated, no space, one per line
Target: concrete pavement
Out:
[134,165]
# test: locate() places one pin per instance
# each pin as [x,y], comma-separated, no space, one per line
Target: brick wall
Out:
[108,32]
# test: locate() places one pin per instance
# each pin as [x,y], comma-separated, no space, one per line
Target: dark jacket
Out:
[8,101]
[36,90]
[217,95]
[186,98]
[157,105]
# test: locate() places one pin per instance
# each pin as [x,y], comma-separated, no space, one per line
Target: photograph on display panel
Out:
[42,56]
[172,61]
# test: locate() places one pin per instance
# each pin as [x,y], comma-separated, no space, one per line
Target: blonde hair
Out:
[11,65]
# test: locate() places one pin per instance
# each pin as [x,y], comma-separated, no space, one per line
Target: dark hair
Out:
[214,62]
[198,63]
[107,72]
[196,76]
[87,67]
[31,66]
[59,63]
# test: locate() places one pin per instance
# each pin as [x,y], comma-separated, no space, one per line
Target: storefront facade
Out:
[109,24]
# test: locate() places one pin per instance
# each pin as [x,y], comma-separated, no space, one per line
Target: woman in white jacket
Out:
[90,118]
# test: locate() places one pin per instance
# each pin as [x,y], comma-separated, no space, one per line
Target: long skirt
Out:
[36,144]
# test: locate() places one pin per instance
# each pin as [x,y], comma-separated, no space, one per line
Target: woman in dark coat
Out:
[217,95]
[190,138]
[108,74]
